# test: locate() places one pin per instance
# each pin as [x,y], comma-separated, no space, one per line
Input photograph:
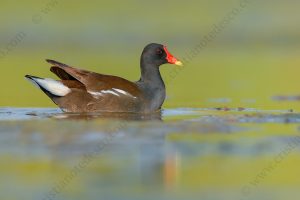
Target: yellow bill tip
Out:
[179,63]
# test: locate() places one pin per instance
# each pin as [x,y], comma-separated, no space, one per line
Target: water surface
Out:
[213,153]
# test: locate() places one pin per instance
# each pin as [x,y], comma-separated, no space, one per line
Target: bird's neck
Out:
[152,85]
[150,74]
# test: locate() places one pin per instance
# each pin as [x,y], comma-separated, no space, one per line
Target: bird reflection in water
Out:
[159,165]
[156,116]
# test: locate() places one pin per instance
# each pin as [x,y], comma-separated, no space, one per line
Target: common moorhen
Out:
[84,91]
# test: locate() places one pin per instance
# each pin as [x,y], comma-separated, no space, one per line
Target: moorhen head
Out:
[156,55]
[84,91]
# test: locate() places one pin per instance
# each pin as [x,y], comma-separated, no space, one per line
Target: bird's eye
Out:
[159,52]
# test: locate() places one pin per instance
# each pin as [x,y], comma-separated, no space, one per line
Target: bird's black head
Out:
[157,54]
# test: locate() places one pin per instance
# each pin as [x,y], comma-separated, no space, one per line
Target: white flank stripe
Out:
[96,94]
[109,92]
[53,86]
[120,91]
[114,91]
[123,92]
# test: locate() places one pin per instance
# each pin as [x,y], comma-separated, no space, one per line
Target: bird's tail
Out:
[49,86]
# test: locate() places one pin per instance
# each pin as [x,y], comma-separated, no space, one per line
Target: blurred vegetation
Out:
[254,58]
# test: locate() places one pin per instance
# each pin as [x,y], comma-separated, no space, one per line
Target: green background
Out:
[203,152]
[254,58]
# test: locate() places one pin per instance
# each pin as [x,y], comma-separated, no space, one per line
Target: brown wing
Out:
[61,73]
[93,81]
[73,84]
